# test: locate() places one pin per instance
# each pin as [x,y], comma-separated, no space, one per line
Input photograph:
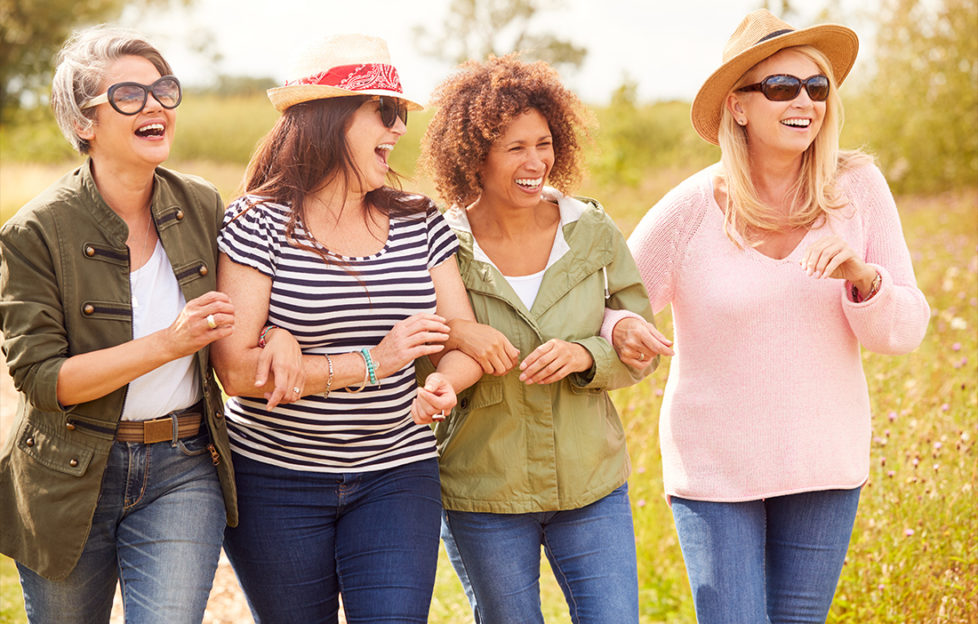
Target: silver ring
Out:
[211,322]
[641,357]
[296,390]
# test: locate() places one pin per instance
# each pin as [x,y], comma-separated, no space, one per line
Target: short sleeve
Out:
[251,233]
[442,243]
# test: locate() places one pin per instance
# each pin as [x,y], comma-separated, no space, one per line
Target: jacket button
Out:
[89,251]
[29,441]
[218,414]
[179,215]
[464,404]
[70,426]
[202,270]
[73,463]
[88,309]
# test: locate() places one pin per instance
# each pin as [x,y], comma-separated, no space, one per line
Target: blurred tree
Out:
[476,29]
[919,110]
[31,33]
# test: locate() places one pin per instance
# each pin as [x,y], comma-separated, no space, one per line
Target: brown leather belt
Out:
[161,429]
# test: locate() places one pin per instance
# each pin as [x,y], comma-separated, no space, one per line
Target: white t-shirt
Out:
[156,302]
[527,286]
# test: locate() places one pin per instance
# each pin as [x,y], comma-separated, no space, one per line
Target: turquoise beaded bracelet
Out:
[371,370]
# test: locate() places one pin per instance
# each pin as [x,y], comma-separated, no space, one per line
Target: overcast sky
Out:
[667,47]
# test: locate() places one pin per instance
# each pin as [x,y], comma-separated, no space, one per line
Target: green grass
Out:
[914,551]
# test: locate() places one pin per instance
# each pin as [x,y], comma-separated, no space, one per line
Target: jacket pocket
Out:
[54,452]
[483,395]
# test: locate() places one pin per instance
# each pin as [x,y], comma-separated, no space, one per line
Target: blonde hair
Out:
[814,194]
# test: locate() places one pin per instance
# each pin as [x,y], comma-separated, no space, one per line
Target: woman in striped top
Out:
[338,483]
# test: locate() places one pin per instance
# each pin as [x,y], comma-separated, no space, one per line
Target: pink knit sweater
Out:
[766,394]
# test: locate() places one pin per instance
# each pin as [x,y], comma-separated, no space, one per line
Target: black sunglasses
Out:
[390,109]
[129,98]
[783,87]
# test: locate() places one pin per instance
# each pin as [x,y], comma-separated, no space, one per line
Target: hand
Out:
[191,331]
[637,342]
[415,336]
[486,345]
[831,256]
[554,360]
[435,399]
[283,358]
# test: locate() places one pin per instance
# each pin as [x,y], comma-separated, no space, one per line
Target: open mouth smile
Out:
[529,184]
[797,122]
[154,129]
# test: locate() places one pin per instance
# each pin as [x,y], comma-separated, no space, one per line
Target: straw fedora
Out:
[341,66]
[757,37]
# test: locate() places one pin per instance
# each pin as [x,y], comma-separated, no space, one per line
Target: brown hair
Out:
[304,151]
[478,103]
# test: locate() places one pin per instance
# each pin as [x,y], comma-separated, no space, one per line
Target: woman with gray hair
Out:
[118,467]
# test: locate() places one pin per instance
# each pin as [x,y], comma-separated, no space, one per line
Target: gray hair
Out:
[82,65]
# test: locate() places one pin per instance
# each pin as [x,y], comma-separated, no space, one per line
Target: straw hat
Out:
[341,66]
[759,36]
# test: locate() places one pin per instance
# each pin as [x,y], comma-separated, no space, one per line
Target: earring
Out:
[741,122]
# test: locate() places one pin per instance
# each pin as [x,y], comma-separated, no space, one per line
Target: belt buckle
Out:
[157,430]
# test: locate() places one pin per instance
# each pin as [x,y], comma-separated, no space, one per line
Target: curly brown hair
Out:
[477,104]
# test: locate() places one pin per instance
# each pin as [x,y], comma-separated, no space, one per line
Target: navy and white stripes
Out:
[337,308]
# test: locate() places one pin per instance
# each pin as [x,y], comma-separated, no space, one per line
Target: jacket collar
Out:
[163,203]
[590,249]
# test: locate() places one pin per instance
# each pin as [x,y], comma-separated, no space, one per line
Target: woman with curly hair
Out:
[534,453]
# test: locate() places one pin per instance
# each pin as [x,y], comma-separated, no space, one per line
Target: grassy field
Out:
[914,552]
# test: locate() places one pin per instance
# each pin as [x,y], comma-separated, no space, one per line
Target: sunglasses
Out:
[390,109]
[129,98]
[782,87]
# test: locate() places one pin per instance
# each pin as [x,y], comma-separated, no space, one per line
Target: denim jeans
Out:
[305,537]
[157,529]
[591,551]
[772,560]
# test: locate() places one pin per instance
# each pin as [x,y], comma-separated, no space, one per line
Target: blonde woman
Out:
[779,262]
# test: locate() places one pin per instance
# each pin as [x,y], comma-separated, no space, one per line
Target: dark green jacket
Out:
[64,290]
[512,448]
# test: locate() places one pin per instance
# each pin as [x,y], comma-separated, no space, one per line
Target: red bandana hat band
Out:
[341,66]
[355,78]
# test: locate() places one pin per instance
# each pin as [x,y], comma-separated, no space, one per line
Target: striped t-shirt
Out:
[337,308]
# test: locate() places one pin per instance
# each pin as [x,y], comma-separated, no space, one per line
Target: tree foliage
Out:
[477,29]
[32,32]
[919,111]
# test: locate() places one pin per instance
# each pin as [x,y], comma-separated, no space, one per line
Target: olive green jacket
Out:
[64,290]
[508,447]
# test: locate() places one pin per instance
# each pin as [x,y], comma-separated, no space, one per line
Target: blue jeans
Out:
[306,537]
[591,551]
[157,529]
[771,560]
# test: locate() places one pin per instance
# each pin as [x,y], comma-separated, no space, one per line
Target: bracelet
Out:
[873,289]
[366,373]
[264,332]
[329,380]
[371,370]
